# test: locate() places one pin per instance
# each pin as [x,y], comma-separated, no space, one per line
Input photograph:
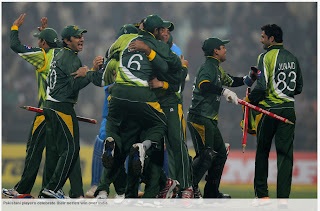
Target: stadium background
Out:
[194,22]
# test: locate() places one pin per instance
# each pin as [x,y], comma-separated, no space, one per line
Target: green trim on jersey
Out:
[42,76]
[39,58]
[226,79]
[124,75]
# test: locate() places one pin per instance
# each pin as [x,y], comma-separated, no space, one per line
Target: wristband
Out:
[151,55]
[14,27]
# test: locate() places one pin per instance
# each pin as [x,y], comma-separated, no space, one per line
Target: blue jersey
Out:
[176,49]
[105,104]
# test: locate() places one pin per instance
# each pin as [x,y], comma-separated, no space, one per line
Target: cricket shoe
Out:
[186,196]
[23,196]
[108,153]
[11,193]
[102,195]
[261,201]
[137,153]
[46,193]
[187,193]
[62,195]
[91,191]
[168,190]
[197,193]
[223,196]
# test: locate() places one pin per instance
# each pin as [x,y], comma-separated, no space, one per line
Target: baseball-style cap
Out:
[212,43]
[128,29]
[48,34]
[154,21]
[71,30]
[171,27]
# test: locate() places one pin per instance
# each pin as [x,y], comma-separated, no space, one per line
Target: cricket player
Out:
[62,130]
[281,79]
[167,87]
[100,182]
[211,153]
[40,57]
[141,105]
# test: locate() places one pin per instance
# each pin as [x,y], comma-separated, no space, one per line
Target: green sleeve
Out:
[109,66]
[299,83]
[258,93]
[184,73]
[163,50]
[76,83]
[174,81]
[206,75]
[35,56]
[159,64]
[96,77]
[229,80]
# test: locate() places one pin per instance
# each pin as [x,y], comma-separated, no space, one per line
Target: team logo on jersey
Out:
[27,47]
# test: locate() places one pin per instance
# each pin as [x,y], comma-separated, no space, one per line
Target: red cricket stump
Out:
[265,112]
[39,110]
[245,124]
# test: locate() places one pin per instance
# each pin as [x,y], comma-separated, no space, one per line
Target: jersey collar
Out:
[76,52]
[275,46]
[214,59]
[144,32]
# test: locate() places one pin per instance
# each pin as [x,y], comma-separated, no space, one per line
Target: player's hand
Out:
[155,83]
[81,72]
[254,73]
[138,45]
[184,62]
[44,23]
[230,96]
[97,63]
[20,20]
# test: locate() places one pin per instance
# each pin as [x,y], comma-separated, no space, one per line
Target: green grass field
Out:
[236,191]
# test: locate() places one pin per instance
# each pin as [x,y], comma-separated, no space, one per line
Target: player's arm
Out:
[35,56]
[95,75]
[259,91]
[172,84]
[15,43]
[299,83]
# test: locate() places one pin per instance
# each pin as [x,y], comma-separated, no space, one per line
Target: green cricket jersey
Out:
[38,57]
[280,79]
[136,69]
[207,104]
[62,87]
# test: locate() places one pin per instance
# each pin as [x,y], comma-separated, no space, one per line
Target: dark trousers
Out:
[205,133]
[62,145]
[269,128]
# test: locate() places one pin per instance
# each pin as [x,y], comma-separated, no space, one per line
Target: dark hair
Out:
[51,45]
[210,52]
[273,30]
[65,44]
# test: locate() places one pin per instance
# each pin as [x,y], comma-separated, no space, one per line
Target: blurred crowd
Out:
[194,22]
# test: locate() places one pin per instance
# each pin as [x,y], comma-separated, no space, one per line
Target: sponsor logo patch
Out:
[27,47]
